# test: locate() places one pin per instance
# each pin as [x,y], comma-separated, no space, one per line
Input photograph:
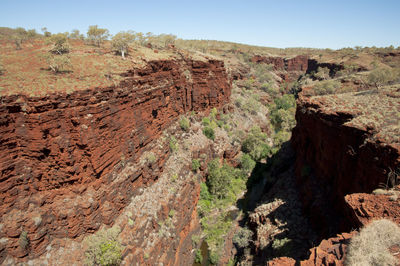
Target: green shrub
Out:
[24,240]
[195,165]
[283,119]
[286,102]
[173,144]
[206,121]
[219,178]
[151,158]
[243,237]
[209,133]
[251,106]
[282,247]
[270,89]
[247,163]
[198,258]
[281,137]
[282,112]
[254,144]
[184,124]
[103,248]
[214,257]
[213,114]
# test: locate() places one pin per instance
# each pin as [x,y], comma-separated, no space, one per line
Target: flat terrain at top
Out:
[374,110]
[27,72]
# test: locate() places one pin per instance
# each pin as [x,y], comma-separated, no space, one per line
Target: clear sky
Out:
[273,23]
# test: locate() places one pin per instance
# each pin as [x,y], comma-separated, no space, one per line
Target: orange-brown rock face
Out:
[54,149]
[367,207]
[330,252]
[298,63]
[336,158]
[288,69]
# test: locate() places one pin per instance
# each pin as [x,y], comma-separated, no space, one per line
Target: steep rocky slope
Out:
[345,144]
[61,154]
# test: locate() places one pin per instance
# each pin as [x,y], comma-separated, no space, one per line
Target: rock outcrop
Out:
[59,153]
[339,152]
[298,63]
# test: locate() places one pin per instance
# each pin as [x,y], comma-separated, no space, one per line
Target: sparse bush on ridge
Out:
[120,42]
[96,35]
[371,245]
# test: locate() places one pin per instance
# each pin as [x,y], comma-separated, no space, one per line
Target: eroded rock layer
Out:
[59,153]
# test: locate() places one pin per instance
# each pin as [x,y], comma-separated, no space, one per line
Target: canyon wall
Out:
[59,153]
[335,159]
[290,69]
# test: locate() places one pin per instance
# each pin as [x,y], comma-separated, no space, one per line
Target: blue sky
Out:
[280,23]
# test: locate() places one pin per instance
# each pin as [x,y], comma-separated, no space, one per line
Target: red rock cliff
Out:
[55,148]
[336,158]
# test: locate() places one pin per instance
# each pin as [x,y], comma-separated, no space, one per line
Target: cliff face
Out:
[297,63]
[59,154]
[336,157]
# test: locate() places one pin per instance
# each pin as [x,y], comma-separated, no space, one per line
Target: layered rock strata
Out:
[59,154]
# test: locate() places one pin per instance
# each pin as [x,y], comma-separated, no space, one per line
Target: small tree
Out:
[120,42]
[380,76]
[19,37]
[46,33]
[97,35]
[60,43]
[75,34]
[219,178]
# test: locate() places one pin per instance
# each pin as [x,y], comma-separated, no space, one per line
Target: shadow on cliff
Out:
[273,211]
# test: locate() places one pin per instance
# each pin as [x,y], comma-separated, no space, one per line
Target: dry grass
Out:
[371,245]
[27,72]
[376,111]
